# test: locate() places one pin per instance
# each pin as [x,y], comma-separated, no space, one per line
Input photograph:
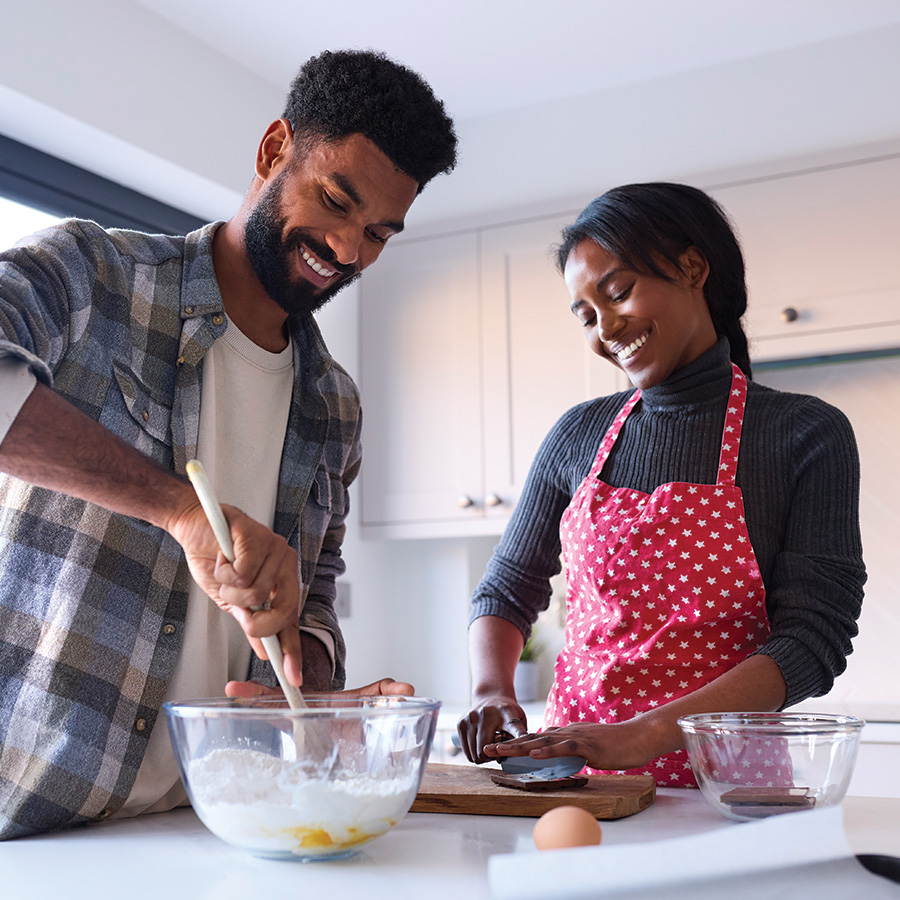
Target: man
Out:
[124,355]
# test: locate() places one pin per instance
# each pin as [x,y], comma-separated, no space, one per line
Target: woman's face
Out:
[645,325]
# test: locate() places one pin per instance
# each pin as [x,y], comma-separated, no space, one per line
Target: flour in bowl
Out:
[271,806]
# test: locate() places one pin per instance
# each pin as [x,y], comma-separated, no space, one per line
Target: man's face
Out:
[323,218]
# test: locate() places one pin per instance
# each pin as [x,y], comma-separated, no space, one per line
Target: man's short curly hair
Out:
[344,92]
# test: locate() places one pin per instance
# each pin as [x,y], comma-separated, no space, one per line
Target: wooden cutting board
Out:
[468,789]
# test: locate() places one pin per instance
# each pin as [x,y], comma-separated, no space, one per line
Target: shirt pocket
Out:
[328,492]
[138,415]
[327,499]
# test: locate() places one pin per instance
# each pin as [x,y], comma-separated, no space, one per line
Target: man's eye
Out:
[375,236]
[332,203]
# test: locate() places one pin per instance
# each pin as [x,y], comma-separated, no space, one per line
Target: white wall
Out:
[110,87]
[742,119]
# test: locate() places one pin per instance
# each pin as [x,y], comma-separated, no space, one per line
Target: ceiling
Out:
[487,56]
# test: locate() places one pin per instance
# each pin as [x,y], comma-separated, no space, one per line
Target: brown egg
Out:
[566,826]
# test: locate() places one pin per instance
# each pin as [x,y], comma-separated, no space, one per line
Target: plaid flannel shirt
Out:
[92,604]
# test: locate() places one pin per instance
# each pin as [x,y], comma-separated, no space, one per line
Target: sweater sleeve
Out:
[815,590]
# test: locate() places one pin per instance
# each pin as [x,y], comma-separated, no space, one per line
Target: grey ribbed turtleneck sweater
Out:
[799,474]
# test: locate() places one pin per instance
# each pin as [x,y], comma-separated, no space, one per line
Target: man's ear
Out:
[274,149]
[695,267]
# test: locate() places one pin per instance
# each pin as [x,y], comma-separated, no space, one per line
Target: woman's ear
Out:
[695,267]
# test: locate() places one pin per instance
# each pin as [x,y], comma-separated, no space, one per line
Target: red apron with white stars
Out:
[664,593]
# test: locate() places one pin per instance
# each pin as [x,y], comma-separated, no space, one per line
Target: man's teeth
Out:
[316,266]
[630,350]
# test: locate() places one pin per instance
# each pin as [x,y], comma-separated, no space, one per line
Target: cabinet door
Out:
[420,382]
[823,269]
[537,363]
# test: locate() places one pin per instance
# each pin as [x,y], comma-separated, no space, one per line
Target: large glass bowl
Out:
[752,765]
[302,784]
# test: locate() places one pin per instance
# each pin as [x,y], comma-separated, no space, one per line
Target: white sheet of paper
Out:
[790,840]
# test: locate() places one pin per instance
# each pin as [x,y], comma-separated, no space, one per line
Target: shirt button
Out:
[145,415]
[189,310]
[179,361]
[218,320]
[168,629]
[104,814]
[140,724]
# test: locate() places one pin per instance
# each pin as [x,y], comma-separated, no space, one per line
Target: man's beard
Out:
[270,255]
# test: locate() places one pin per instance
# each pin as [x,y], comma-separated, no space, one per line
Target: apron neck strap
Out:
[731,434]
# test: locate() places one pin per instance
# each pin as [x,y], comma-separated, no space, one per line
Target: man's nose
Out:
[344,243]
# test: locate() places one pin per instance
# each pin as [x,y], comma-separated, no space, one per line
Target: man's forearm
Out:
[53,445]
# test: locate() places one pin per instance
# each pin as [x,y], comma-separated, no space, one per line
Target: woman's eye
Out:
[622,295]
[588,322]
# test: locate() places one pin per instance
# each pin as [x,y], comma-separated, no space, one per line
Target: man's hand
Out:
[384,687]
[261,588]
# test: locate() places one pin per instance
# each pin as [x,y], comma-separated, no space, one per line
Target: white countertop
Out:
[171,856]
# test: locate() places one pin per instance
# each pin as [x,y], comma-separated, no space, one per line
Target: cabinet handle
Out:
[493,499]
[464,501]
[789,314]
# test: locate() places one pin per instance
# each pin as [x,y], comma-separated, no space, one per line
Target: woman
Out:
[709,526]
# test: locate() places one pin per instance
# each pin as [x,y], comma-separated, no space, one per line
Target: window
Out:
[18,220]
[42,182]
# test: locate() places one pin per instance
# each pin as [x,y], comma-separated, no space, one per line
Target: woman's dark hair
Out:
[644,224]
[344,92]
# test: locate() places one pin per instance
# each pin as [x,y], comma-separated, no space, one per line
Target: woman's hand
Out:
[624,745]
[494,649]
[489,717]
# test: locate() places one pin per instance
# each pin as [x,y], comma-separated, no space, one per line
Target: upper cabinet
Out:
[823,266]
[469,354]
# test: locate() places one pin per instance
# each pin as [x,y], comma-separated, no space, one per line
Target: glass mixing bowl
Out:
[303,784]
[751,765]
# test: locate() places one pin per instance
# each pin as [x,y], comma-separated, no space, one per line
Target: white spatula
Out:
[220,528]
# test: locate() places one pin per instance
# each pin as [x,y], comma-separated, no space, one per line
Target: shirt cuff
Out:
[17,381]
[326,638]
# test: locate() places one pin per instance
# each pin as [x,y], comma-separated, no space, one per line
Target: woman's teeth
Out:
[316,266]
[631,349]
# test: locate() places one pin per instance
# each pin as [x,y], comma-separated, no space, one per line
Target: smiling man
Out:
[123,356]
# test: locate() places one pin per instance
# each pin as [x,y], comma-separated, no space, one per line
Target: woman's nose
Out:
[610,324]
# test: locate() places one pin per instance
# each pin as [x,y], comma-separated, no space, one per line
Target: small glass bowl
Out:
[302,784]
[752,765]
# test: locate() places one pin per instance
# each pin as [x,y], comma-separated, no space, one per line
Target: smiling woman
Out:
[709,526]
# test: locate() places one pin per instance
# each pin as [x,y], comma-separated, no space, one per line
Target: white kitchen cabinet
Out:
[420,377]
[469,353]
[823,268]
